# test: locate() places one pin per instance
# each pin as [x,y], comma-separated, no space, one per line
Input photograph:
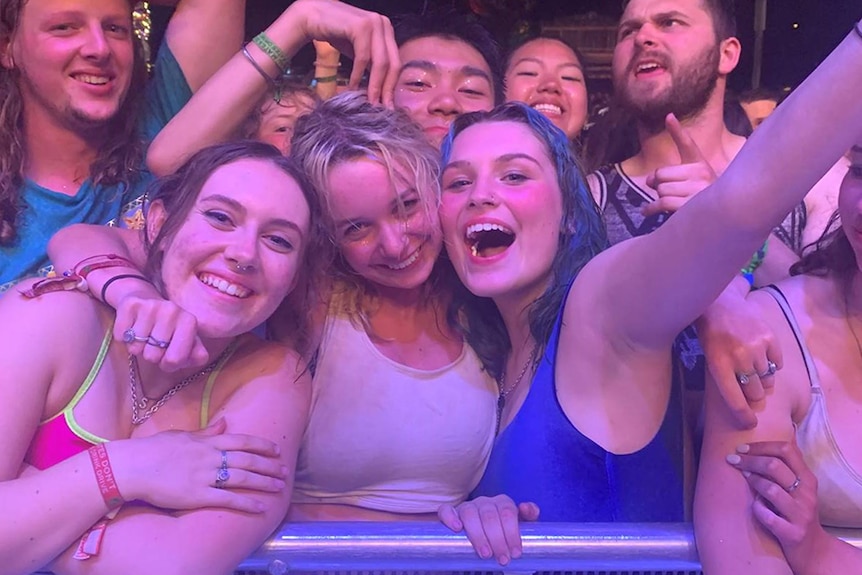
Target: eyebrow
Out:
[428,66]
[636,22]
[280,222]
[392,206]
[505,158]
[534,60]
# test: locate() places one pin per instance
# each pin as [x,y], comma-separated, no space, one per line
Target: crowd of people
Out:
[409,300]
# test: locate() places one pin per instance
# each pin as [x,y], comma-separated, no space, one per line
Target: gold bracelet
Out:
[270,48]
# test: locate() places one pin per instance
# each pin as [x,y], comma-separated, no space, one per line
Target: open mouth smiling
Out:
[488,240]
[224,286]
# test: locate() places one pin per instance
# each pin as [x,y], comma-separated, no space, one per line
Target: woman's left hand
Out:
[786,497]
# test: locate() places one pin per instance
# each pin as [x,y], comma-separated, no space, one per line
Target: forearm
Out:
[222,104]
[831,556]
[203,35]
[45,512]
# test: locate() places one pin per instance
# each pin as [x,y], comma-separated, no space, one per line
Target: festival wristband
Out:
[105,476]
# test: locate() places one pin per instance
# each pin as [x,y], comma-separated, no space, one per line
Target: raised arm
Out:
[221,105]
[203,35]
[657,284]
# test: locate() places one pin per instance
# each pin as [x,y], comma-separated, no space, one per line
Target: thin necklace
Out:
[141,404]
[504,393]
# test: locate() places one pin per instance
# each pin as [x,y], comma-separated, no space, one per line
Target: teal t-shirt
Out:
[45,211]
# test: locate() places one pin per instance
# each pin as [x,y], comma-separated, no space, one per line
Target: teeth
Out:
[487,227]
[474,249]
[224,286]
[648,67]
[95,80]
[407,262]
[548,109]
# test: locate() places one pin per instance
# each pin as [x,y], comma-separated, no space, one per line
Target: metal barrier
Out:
[429,546]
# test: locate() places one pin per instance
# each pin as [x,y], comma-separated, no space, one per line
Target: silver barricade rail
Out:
[429,546]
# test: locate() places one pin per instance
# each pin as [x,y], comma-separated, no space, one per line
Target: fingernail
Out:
[504,560]
[284,471]
[516,553]
[259,506]
[733,459]
[744,448]
[746,474]
[485,553]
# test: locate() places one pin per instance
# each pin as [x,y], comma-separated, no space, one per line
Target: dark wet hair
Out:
[451,25]
[582,236]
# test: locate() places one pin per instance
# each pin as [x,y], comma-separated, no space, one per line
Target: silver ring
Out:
[222,475]
[129,336]
[743,378]
[158,343]
[771,368]
[795,485]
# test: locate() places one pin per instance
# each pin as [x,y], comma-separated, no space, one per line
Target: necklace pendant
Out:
[142,403]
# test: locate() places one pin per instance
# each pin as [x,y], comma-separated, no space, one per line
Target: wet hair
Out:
[723,13]
[582,236]
[120,156]
[345,128]
[451,25]
[830,254]
[179,192]
[285,91]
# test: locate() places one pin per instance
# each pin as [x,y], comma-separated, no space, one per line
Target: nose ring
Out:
[242,268]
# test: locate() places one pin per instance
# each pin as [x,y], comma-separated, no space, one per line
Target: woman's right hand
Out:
[178,469]
[491,524]
[148,315]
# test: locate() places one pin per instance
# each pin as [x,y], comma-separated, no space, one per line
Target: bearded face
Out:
[654,84]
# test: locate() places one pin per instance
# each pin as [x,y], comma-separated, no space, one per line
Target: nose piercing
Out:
[242,268]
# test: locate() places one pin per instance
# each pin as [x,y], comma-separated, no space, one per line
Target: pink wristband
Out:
[105,476]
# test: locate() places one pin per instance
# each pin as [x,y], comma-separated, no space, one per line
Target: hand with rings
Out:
[742,353]
[157,330]
[190,470]
[785,495]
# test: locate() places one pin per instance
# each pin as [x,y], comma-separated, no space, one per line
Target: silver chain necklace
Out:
[142,404]
[504,393]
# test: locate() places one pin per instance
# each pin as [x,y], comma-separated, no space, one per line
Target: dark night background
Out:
[790,53]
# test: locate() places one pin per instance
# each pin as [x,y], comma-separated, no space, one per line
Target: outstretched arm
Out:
[222,104]
[673,274]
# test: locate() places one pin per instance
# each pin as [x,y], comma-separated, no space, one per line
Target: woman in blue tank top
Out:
[585,338]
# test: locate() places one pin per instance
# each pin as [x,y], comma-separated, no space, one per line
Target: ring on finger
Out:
[795,485]
[161,344]
[771,368]
[222,475]
[129,336]
[744,378]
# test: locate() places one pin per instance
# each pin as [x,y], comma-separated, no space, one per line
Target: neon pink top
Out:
[60,437]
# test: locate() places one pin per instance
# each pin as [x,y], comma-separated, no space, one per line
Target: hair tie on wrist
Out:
[116,278]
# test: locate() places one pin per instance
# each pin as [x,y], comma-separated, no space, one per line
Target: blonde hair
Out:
[348,127]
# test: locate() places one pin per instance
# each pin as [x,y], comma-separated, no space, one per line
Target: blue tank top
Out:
[541,457]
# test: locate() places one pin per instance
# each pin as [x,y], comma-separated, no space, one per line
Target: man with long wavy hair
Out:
[77,111]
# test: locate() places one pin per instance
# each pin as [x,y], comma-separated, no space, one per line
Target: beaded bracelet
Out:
[272,50]
[754,263]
